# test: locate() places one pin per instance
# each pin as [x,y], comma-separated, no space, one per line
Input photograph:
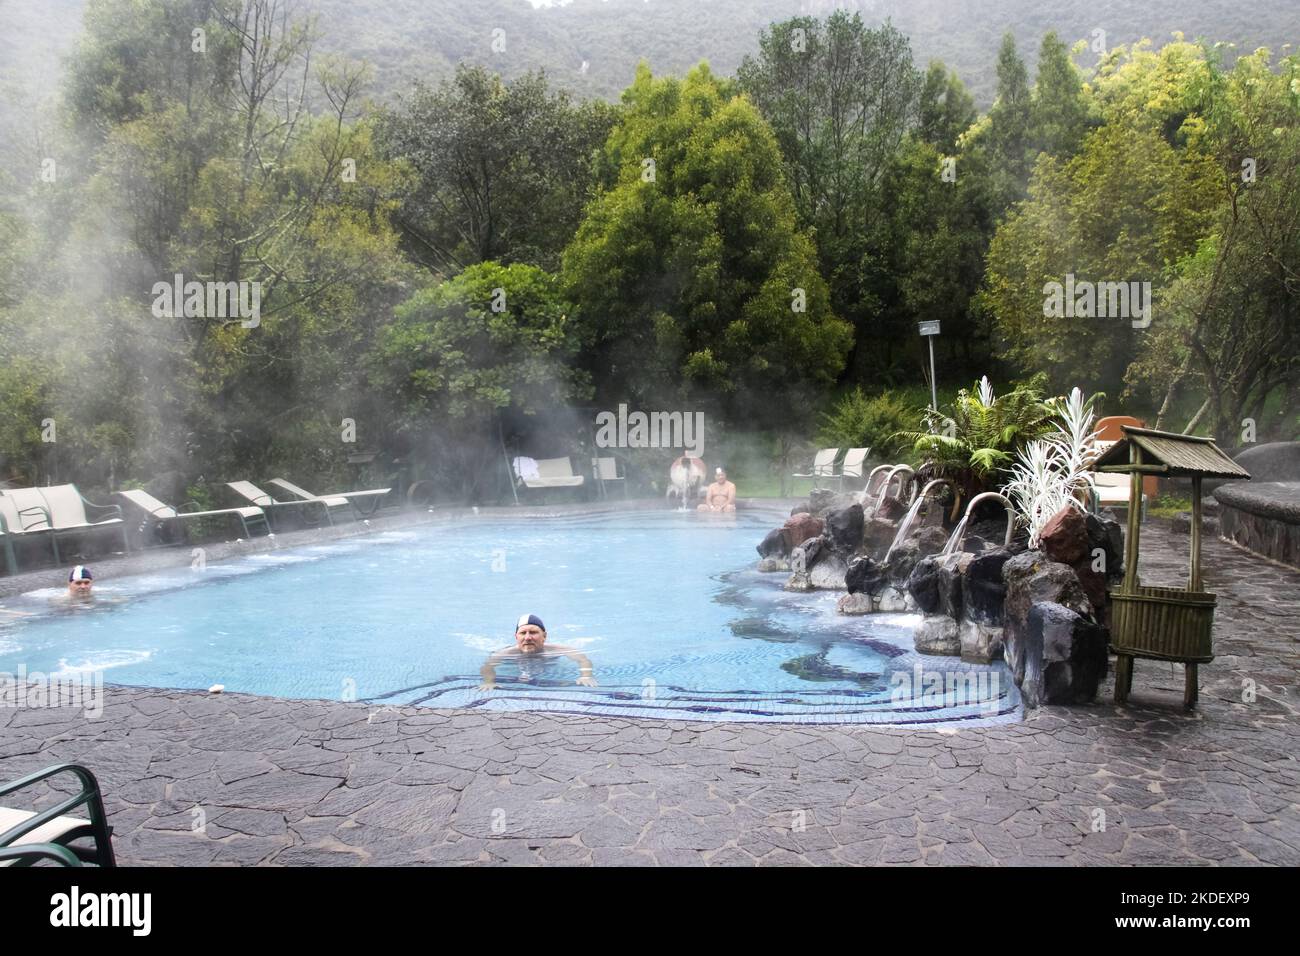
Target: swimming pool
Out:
[666,605]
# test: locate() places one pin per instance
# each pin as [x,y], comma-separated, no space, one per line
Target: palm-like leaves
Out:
[982,435]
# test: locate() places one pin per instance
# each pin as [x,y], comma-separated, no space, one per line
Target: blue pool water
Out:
[666,605]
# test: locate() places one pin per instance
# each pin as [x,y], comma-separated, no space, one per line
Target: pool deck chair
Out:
[605,471]
[66,514]
[364,503]
[1113,490]
[26,835]
[256,496]
[22,524]
[248,518]
[553,473]
[823,465]
[854,461]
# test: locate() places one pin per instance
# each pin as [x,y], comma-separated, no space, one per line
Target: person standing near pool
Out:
[721,495]
[530,643]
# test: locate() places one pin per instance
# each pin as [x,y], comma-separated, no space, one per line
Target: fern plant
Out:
[976,444]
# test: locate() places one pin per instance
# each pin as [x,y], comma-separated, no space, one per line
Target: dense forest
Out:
[734,209]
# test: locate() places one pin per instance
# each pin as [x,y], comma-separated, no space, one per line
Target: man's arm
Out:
[488,671]
[586,676]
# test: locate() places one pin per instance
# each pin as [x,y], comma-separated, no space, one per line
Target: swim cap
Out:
[530,619]
[80,573]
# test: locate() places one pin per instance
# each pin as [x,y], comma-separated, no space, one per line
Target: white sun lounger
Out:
[61,510]
[18,524]
[250,517]
[1110,489]
[372,495]
[823,465]
[553,473]
[256,496]
[854,461]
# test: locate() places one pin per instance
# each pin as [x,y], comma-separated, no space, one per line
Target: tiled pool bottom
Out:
[666,605]
[963,694]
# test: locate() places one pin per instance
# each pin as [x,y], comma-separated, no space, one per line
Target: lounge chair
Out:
[1113,490]
[553,473]
[61,510]
[823,465]
[19,524]
[26,835]
[248,518]
[373,496]
[605,471]
[256,496]
[854,461]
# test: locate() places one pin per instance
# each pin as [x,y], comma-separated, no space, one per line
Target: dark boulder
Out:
[877,535]
[983,590]
[951,570]
[800,508]
[901,560]
[824,500]
[1061,658]
[1030,578]
[844,527]
[923,584]
[930,540]
[864,576]
[773,545]
[1107,534]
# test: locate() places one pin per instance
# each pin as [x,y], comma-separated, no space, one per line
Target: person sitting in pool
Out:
[80,581]
[719,496]
[530,641]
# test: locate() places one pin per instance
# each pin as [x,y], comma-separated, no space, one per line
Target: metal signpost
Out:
[930,330]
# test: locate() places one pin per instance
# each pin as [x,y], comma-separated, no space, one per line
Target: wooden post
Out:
[1194,574]
[1134,520]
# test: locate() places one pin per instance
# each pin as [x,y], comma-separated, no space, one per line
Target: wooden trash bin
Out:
[1163,623]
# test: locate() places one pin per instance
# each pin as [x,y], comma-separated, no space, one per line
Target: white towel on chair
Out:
[526,468]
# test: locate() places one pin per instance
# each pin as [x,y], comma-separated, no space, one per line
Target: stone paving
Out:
[319,783]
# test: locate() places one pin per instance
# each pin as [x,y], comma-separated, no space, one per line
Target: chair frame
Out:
[89,796]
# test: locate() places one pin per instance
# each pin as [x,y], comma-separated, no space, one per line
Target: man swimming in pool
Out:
[530,642]
[719,496]
[80,581]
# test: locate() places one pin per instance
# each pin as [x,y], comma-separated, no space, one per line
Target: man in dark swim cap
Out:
[80,581]
[530,639]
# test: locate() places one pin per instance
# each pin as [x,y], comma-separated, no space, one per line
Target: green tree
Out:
[502,169]
[690,274]
[840,97]
[493,338]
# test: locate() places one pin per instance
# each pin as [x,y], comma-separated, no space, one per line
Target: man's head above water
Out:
[530,634]
[80,580]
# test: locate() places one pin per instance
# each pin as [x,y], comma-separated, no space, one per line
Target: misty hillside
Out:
[407,40]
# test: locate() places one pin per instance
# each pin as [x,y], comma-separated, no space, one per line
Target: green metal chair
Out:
[29,854]
[27,834]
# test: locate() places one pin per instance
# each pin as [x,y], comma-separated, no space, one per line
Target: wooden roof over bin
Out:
[1182,455]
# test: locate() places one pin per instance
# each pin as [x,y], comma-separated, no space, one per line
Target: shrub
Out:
[876,422]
